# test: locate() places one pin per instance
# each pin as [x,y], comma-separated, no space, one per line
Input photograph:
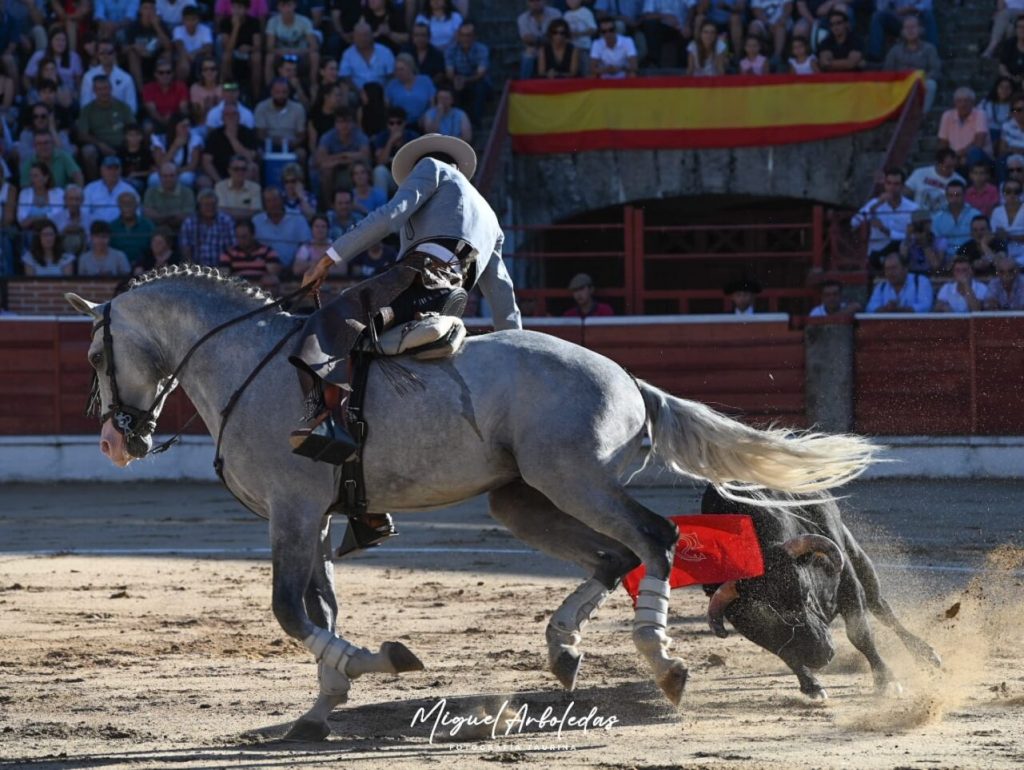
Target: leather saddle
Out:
[431,336]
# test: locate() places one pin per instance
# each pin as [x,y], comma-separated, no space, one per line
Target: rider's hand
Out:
[317,274]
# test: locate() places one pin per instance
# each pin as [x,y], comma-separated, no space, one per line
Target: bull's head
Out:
[789,608]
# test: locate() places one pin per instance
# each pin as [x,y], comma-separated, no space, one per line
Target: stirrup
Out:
[360,535]
[455,303]
[325,442]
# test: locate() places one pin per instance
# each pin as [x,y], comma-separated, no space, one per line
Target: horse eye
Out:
[96,358]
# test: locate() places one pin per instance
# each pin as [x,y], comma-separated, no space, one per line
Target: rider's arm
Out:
[496,285]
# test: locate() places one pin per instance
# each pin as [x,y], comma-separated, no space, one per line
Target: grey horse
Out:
[546,428]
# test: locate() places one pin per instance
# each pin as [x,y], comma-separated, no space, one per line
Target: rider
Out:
[450,240]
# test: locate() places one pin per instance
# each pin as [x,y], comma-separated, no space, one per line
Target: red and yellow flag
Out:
[688,113]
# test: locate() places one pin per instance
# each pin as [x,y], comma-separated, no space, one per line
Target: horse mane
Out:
[209,275]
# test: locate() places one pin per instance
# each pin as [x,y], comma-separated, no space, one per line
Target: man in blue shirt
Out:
[467,64]
[901,291]
[366,61]
[953,224]
[280,230]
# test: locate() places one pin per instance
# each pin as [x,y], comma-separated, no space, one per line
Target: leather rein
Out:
[132,422]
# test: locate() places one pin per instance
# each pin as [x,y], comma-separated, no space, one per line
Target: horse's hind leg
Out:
[534,519]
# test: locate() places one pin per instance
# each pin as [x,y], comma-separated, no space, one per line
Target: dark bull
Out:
[814,571]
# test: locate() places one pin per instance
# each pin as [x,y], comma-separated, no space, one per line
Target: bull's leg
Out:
[296,543]
[880,607]
[809,684]
[535,520]
[853,606]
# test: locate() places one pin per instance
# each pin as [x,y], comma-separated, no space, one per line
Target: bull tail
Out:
[743,462]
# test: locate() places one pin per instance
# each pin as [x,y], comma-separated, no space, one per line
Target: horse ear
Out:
[83,306]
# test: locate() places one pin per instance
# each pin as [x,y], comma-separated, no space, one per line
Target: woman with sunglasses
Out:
[558,58]
[1008,220]
[206,93]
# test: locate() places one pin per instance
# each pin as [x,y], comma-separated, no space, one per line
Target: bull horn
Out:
[722,598]
[801,544]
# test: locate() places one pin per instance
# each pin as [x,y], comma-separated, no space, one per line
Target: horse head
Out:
[129,390]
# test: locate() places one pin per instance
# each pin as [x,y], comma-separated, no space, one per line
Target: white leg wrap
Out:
[330,650]
[579,607]
[652,604]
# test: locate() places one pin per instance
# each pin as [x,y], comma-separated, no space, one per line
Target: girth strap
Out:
[352,489]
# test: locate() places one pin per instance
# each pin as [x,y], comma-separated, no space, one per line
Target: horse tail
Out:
[743,462]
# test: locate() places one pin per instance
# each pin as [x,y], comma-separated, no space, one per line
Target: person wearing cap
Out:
[920,249]
[450,241]
[215,117]
[582,288]
[101,195]
[742,292]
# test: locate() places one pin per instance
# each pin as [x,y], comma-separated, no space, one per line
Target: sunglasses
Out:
[1017,109]
[396,122]
[40,115]
[560,32]
[606,30]
[163,72]
[1006,272]
[1011,192]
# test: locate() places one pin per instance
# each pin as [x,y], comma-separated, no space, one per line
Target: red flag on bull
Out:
[712,548]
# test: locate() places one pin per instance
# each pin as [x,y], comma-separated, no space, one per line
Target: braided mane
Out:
[210,275]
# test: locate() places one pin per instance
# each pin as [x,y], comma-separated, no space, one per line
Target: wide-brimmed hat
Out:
[411,152]
[743,284]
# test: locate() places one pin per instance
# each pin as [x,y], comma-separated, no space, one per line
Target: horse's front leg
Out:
[301,562]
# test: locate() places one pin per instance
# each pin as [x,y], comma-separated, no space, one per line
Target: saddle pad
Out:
[432,336]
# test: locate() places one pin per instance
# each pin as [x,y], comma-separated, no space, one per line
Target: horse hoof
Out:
[309,731]
[401,657]
[817,694]
[673,682]
[566,667]
[890,689]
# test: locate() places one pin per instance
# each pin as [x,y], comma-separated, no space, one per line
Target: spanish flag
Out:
[577,115]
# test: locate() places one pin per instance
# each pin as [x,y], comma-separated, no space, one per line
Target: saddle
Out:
[429,337]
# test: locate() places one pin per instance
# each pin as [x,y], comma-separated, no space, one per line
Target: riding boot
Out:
[366,531]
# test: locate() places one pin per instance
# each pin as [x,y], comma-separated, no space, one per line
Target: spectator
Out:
[981,193]
[772,21]
[375,260]
[612,55]
[624,13]
[1015,167]
[59,163]
[365,197]
[900,291]
[387,23]
[1008,220]
[240,39]
[45,257]
[282,121]
[207,233]
[812,17]
[160,254]
[912,53]
[384,146]
[753,61]
[997,106]
[832,304]
[291,34]
[964,294]
[129,233]
[75,227]
[339,148]
[889,215]
[366,61]
[320,118]
[706,53]
[467,64]
[1011,56]
[443,21]
[582,30]
[100,259]
[39,201]
[1011,134]
[1006,290]
[373,111]
[445,118]
[297,199]
[112,17]
[983,248]
[428,58]
[288,71]
[172,12]
[309,253]
[584,305]
[238,197]
[146,42]
[101,125]
[801,60]
[665,26]
[215,117]
[101,196]
[137,162]
[965,130]
[206,93]
[164,99]
[558,58]
[230,140]
[726,15]
[8,210]
[249,259]
[533,28]
[182,147]
[841,50]
[741,293]
[42,116]
[411,92]
[170,203]
[1007,13]
[122,86]
[953,224]
[342,217]
[69,63]
[890,17]
[928,183]
[920,250]
[282,231]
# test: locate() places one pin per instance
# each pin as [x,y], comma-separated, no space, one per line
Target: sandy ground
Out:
[115,652]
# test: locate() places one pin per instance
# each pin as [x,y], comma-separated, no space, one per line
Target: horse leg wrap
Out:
[576,611]
[331,650]
[652,604]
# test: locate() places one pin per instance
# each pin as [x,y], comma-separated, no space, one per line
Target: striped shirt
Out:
[251,264]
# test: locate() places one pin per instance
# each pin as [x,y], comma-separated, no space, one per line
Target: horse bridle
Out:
[134,423]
